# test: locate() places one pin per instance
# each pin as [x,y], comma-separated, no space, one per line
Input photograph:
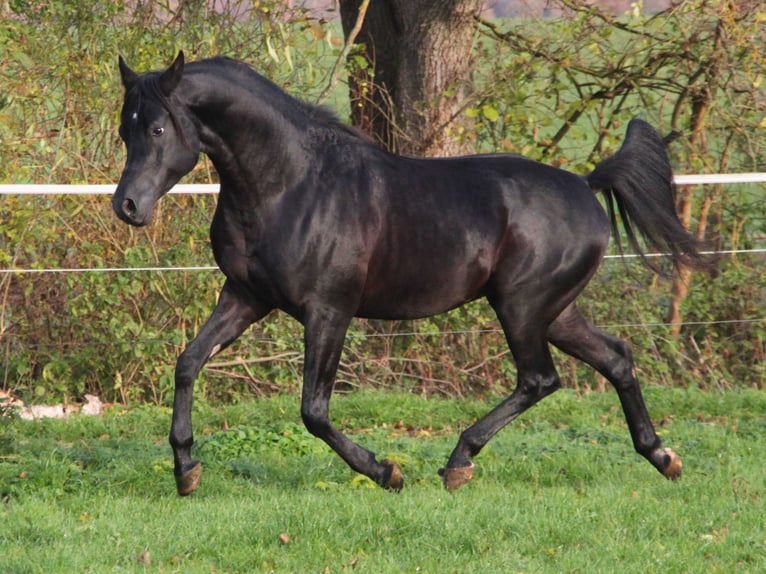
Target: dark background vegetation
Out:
[557,89]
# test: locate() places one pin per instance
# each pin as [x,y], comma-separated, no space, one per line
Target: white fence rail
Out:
[201,189]
[212,188]
[106,189]
[208,188]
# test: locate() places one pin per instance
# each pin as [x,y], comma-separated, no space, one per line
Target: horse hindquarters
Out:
[557,240]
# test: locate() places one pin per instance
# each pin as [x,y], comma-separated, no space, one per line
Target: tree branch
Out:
[345,52]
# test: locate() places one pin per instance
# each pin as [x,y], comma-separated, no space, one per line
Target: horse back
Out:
[392,237]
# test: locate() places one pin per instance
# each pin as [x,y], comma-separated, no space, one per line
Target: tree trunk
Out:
[410,95]
[700,105]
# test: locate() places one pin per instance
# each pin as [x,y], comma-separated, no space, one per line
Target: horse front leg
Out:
[231,316]
[324,334]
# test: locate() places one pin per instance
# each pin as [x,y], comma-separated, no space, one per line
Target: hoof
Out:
[189,481]
[454,478]
[673,467]
[394,479]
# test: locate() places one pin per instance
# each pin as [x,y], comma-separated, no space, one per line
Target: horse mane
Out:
[298,111]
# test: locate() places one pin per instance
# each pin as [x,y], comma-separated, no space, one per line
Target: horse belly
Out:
[422,288]
[429,257]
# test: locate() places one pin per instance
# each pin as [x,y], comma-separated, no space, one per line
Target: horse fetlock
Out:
[454,478]
[188,480]
[393,479]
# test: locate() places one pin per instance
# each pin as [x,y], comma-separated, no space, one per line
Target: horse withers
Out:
[316,220]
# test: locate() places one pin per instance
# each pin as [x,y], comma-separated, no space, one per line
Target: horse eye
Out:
[158,131]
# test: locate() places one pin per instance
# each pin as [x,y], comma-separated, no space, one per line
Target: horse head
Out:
[160,137]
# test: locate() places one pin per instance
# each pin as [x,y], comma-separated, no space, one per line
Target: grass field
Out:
[560,490]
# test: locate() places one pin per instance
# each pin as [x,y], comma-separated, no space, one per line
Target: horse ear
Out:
[172,76]
[128,76]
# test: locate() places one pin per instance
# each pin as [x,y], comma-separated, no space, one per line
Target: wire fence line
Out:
[212,188]
[21,270]
[207,189]
[111,269]
[352,336]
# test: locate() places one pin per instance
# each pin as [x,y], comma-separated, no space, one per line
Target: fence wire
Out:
[197,189]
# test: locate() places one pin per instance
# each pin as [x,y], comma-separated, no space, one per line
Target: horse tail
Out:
[638,179]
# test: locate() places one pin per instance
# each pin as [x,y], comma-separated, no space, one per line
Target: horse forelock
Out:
[147,88]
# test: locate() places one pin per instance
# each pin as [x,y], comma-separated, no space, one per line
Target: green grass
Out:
[560,490]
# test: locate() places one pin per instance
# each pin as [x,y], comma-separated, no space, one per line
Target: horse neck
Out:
[256,150]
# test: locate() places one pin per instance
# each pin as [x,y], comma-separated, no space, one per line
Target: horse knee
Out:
[186,371]
[316,419]
[539,385]
[624,352]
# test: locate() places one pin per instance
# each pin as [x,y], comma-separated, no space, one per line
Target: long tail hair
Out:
[638,179]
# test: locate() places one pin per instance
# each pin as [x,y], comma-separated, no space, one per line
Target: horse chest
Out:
[243,261]
[234,248]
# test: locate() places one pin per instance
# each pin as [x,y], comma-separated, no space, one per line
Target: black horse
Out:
[316,220]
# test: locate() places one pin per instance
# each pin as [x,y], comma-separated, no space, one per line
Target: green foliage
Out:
[571,84]
[117,334]
[113,334]
[286,439]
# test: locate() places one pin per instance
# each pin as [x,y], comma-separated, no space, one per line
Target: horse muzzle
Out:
[132,210]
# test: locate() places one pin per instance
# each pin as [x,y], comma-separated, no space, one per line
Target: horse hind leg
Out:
[536,379]
[612,357]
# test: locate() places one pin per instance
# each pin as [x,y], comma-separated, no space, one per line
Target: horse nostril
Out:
[129,208]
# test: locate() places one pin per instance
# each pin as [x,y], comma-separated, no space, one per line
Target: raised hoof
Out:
[394,479]
[673,467]
[189,481]
[454,478]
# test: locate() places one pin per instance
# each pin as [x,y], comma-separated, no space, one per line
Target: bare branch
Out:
[345,52]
